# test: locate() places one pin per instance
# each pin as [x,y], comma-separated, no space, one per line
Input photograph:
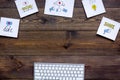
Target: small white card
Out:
[59,7]
[108,28]
[9,27]
[93,7]
[26,7]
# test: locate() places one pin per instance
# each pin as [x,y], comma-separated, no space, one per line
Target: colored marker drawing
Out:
[107,24]
[8,23]
[8,27]
[52,9]
[58,6]
[26,6]
[107,31]
[93,5]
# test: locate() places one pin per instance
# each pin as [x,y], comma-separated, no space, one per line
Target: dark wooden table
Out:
[44,38]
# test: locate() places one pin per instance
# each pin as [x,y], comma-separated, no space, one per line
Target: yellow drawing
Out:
[26,6]
[109,25]
[94,7]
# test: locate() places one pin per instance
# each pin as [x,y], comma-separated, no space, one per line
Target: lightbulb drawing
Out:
[94,6]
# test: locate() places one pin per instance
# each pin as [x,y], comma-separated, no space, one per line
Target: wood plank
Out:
[41,3]
[42,22]
[58,43]
[97,67]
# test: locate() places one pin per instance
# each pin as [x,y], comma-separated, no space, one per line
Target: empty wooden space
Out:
[44,38]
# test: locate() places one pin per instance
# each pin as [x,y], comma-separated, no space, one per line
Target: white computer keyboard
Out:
[58,71]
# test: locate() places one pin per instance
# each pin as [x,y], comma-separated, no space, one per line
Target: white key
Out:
[79,78]
[36,67]
[81,69]
[55,75]
[49,74]
[79,75]
[82,72]
[37,74]
[69,75]
[53,78]
[60,78]
[65,75]
[74,79]
[45,74]
[37,71]
[59,75]
[72,75]
[76,75]
[57,78]
[67,78]
[63,78]
[42,74]
[62,75]
[64,72]
[50,77]
[52,74]
[36,64]
[37,77]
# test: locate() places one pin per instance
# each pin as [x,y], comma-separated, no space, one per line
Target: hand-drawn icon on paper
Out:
[93,5]
[58,6]
[25,3]
[106,31]
[110,26]
[26,6]
[52,9]
[8,27]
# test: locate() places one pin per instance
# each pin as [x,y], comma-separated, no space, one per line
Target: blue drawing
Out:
[51,9]
[58,6]
[8,27]
[8,23]
[57,10]
[106,31]
[64,10]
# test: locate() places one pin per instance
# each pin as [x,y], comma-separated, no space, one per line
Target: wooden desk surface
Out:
[44,38]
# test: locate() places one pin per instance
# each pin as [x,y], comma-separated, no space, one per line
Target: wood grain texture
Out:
[39,21]
[97,67]
[44,38]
